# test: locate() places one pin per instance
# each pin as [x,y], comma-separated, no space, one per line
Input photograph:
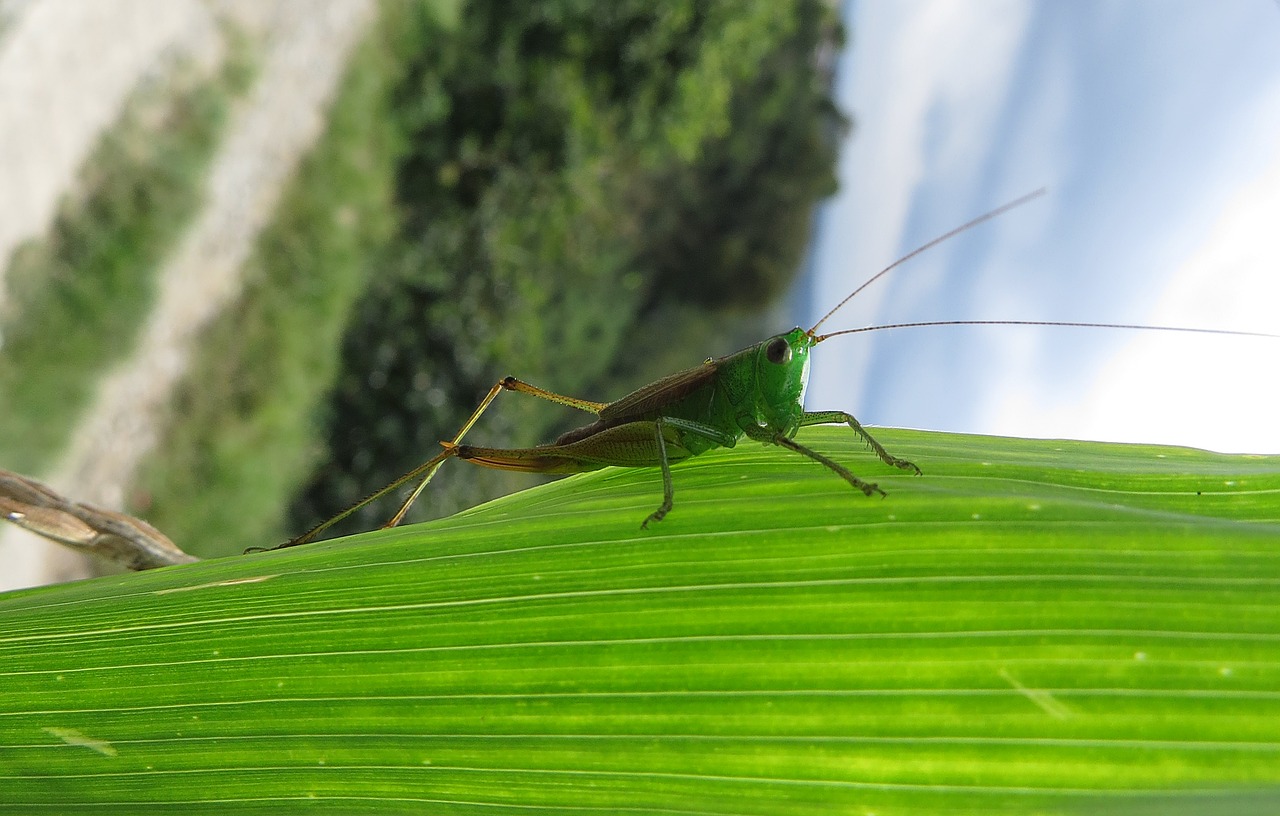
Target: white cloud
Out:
[1210,392]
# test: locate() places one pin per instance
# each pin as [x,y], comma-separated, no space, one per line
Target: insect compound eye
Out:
[778,351]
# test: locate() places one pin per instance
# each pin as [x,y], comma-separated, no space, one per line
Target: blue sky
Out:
[1155,127]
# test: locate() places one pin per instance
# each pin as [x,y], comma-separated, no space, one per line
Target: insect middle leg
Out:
[842,418]
[869,488]
[640,443]
[668,489]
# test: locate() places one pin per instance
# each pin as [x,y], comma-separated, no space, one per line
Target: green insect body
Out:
[757,393]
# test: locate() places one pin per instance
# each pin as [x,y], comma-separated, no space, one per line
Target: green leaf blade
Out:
[1029,627]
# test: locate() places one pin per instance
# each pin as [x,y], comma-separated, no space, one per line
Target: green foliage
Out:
[1030,627]
[574,170]
[79,298]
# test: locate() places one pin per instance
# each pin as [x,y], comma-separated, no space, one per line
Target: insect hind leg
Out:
[427,470]
[505,384]
[842,418]
[512,384]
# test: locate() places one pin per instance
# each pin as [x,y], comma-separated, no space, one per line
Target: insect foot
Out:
[869,488]
[903,464]
[656,515]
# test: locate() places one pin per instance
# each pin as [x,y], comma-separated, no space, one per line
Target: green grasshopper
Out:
[757,393]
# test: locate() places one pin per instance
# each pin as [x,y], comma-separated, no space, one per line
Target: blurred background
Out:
[259,257]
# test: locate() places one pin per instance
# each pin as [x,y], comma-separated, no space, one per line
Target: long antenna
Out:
[1018,202]
[820,338]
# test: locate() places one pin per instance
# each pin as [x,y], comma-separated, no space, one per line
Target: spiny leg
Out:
[866,487]
[505,384]
[841,418]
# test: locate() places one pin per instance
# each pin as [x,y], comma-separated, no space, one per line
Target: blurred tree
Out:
[575,174]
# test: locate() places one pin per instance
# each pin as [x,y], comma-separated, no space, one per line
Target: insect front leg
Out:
[869,488]
[841,418]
